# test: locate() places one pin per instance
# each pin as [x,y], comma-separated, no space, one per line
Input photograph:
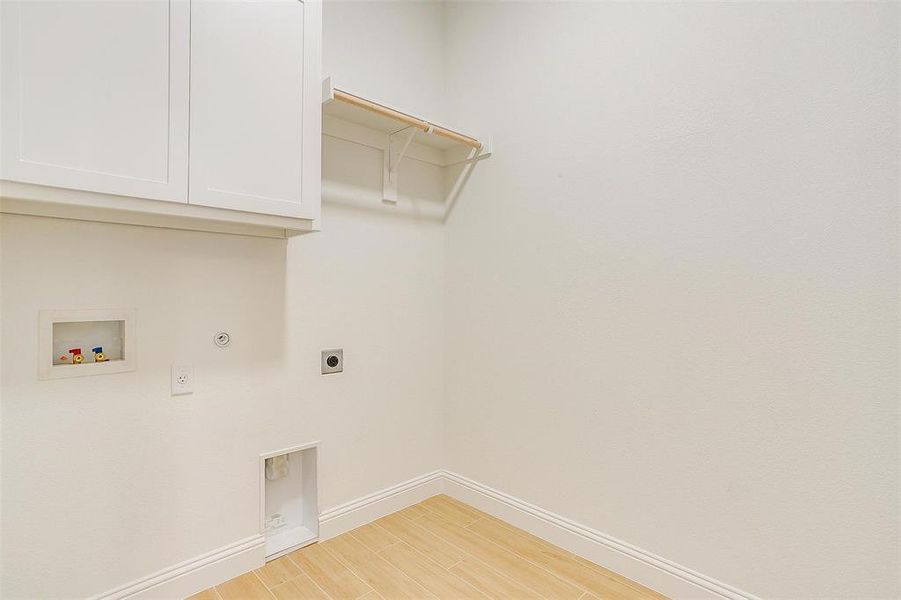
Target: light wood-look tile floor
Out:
[439,548]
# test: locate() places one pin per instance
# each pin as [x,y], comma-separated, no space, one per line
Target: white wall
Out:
[371,281]
[670,306]
[672,291]
[109,479]
[391,51]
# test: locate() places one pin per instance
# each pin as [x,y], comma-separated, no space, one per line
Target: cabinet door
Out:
[95,95]
[255,106]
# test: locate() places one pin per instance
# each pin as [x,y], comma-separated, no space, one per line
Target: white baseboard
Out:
[197,574]
[665,576]
[345,517]
[189,577]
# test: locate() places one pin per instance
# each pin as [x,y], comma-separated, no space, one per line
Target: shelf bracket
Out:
[464,169]
[389,172]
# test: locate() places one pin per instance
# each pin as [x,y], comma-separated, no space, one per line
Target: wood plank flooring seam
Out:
[438,549]
[302,570]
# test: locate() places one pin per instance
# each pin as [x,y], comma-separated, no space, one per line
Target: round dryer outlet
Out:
[332,361]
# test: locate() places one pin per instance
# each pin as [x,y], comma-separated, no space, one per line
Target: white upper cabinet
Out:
[255,112]
[214,104]
[95,95]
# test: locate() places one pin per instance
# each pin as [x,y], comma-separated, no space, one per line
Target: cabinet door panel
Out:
[247,105]
[95,95]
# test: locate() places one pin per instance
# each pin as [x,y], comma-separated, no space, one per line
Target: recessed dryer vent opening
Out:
[289,511]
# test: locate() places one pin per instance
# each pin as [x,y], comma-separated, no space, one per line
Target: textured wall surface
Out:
[119,478]
[672,291]
[665,308]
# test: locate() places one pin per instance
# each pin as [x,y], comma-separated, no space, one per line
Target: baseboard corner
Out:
[665,576]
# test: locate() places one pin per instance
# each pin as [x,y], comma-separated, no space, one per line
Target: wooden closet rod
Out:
[405,118]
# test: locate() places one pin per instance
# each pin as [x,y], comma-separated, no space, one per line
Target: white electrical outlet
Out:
[182,380]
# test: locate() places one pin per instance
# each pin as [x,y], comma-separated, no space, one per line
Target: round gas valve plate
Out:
[222,339]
